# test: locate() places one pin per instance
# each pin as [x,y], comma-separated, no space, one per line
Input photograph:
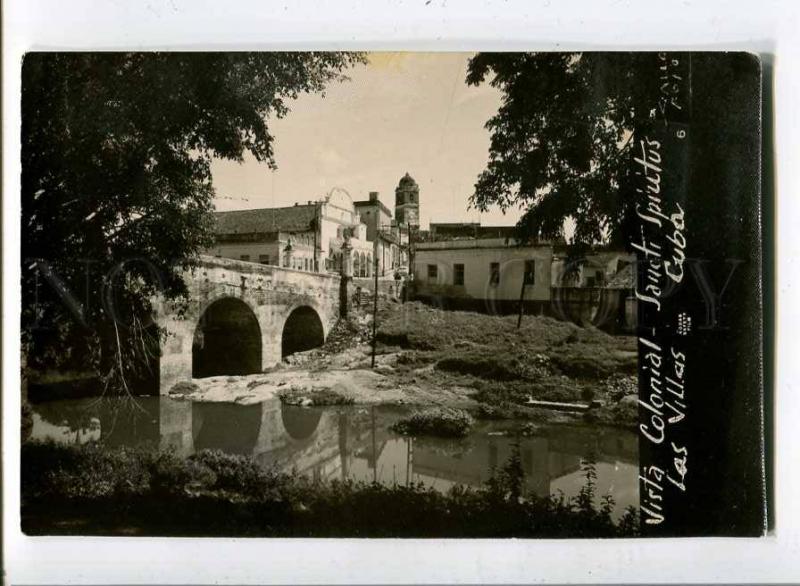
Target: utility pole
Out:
[525,281]
[375,295]
[410,251]
[317,224]
[521,299]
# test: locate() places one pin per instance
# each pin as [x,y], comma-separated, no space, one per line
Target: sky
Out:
[402,112]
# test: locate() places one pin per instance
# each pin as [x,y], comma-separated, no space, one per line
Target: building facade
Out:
[487,272]
[497,275]
[306,237]
[383,232]
[314,236]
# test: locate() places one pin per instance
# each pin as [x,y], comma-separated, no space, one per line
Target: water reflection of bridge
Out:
[356,443]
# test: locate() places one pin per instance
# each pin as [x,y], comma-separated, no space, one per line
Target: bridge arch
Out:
[302,330]
[300,423]
[225,292]
[227,340]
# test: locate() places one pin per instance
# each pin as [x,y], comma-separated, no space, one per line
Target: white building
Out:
[310,236]
[482,270]
[495,274]
[304,236]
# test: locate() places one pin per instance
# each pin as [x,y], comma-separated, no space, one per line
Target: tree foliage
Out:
[560,137]
[116,178]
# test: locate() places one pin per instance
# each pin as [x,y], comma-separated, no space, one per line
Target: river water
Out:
[353,442]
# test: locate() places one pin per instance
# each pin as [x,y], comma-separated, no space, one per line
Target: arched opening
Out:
[227,340]
[302,331]
[356,265]
[300,423]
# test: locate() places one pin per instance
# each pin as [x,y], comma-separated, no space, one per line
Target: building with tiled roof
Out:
[310,236]
[303,236]
[298,218]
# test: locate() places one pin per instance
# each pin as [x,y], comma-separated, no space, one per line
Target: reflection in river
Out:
[349,443]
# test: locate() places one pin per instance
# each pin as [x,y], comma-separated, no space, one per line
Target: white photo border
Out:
[420,25]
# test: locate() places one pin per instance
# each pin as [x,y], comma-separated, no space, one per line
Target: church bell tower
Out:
[406,202]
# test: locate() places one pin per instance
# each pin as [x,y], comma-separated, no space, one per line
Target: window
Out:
[245,257]
[530,272]
[263,259]
[433,271]
[458,274]
[494,273]
[305,263]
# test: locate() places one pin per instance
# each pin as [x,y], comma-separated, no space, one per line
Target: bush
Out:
[436,421]
[495,412]
[494,368]
[231,472]
[593,359]
[170,474]
[559,394]
[86,473]
[183,388]
[320,397]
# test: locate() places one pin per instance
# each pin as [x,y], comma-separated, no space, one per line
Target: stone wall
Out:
[270,292]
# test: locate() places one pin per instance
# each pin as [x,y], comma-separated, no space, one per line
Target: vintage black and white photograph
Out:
[391,294]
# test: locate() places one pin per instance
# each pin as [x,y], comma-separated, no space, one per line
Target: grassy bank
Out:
[91,490]
[505,367]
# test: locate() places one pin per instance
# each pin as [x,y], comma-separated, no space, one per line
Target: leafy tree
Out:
[560,139]
[117,187]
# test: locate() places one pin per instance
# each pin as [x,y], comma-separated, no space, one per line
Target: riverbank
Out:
[95,490]
[430,357]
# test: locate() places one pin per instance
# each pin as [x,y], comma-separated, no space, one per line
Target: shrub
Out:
[490,367]
[170,474]
[88,472]
[494,412]
[436,421]
[414,358]
[594,359]
[231,472]
[183,388]
[319,397]
[560,394]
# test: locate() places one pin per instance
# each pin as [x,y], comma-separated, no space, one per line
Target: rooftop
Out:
[466,243]
[297,218]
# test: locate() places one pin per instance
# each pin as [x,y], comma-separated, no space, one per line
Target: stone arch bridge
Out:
[242,317]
